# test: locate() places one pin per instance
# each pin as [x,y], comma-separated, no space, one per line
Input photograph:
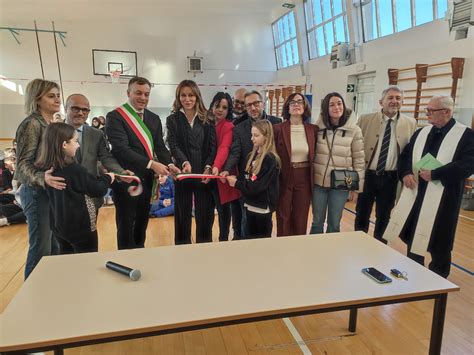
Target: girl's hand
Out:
[215,171]
[112,177]
[232,180]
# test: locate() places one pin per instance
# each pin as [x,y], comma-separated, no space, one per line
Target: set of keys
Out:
[399,274]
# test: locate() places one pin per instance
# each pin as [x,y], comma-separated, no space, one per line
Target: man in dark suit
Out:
[241,138]
[93,147]
[136,136]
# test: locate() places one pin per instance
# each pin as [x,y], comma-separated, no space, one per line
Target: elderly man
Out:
[238,105]
[385,135]
[93,148]
[433,167]
[136,136]
[241,140]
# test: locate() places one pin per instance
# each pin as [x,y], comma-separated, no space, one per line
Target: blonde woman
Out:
[42,102]
[192,142]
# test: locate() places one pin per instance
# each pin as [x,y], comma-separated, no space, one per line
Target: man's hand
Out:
[409,181]
[215,171]
[56,182]
[231,180]
[425,174]
[174,169]
[187,168]
[159,169]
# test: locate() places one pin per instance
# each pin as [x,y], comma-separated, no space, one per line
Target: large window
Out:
[326,23]
[286,45]
[384,17]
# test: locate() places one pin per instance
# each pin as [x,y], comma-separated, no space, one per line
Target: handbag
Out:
[343,179]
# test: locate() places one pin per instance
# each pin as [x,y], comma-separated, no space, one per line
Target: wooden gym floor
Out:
[395,329]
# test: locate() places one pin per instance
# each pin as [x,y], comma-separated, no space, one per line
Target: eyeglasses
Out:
[296,103]
[430,111]
[255,103]
[76,109]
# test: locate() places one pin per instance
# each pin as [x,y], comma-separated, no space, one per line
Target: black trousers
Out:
[440,261]
[236,210]
[85,243]
[258,225]
[13,213]
[131,214]
[381,189]
[6,198]
[227,212]
[203,211]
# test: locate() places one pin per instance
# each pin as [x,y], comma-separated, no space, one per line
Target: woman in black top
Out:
[73,211]
[192,142]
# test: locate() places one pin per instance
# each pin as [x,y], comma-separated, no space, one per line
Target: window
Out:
[384,17]
[326,24]
[284,37]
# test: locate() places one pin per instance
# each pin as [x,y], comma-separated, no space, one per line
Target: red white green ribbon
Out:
[133,190]
[138,127]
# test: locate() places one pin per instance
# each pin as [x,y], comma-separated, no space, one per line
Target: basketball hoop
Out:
[115,76]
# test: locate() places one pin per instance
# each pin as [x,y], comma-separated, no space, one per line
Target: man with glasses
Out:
[93,148]
[238,105]
[241,139]
[385,135]
[433,167]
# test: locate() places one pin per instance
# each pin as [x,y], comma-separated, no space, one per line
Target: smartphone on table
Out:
[376,275]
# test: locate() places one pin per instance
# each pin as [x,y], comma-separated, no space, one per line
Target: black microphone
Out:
[134,274]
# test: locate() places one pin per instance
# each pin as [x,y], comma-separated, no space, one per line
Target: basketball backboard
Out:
[105,61]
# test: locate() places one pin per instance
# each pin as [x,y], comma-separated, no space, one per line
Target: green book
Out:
[428,162]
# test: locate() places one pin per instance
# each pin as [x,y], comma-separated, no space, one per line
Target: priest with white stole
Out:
[433,167]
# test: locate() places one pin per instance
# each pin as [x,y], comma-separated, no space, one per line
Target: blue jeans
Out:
[35,203]
[330,201]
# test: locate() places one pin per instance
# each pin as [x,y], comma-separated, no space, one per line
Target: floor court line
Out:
[299,340]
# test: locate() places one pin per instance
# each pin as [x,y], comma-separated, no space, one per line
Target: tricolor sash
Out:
[138,127]
[433,194]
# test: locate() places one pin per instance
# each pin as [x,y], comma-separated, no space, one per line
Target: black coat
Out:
[127,148]
[262,190]
[178,140]
[452,177]
[242,143]
[73,212]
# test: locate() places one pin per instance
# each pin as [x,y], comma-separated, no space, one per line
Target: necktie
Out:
[384,148]
[140,114]
[78,151]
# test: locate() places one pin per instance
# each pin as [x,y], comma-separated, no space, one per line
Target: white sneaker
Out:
[109,200]
[3,222]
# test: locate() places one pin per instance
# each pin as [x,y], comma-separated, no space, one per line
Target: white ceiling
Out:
[13,11]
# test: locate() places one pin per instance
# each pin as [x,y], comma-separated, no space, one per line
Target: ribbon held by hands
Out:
[133,190]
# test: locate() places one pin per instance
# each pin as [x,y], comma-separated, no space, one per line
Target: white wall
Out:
[429,43]
[163,43]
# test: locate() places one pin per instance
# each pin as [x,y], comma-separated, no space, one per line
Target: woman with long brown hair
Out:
[340,146]
[192,142]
